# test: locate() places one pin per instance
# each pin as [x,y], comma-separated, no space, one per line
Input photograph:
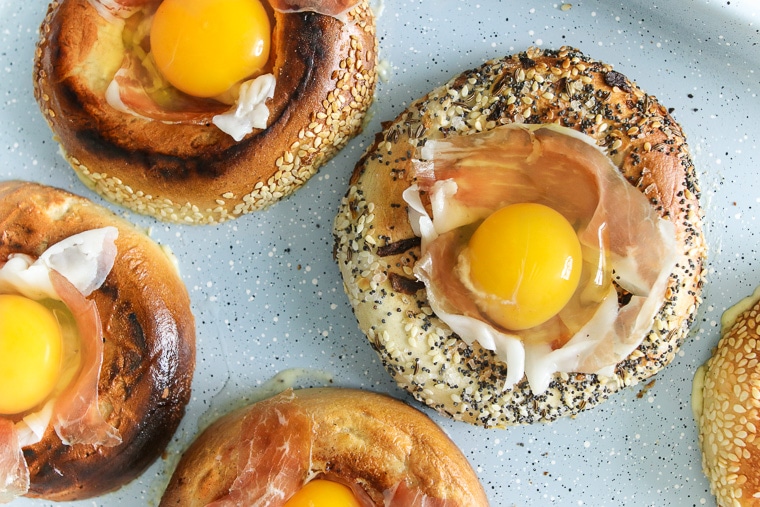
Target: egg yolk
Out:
[323,493]
[30,353]
[204,47]
[527,258]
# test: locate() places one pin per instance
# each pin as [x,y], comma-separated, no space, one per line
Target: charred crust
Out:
[399,247]
[148,344]
[194,173]
[614,78]
[404,284]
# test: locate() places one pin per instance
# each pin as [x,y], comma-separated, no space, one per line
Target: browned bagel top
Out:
[325,76]
[149,343]
[355,437]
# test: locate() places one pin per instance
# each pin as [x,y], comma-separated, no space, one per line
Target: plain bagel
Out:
[378,446]
[726,403]
[148,348]
[376,247]
[193,172]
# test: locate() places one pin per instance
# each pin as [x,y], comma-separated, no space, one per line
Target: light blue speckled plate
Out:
[268,297]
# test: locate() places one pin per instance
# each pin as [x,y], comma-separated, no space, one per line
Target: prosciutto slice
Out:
[405,496]
[274,462]
[335,8]
[66,272]
[76,417]
[275,454]
[464,179]
[14,474]
[139,89]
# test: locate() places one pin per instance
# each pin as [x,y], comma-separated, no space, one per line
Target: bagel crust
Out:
[149,343]
[195,173]
[376,248]
[726,402]
[356,437]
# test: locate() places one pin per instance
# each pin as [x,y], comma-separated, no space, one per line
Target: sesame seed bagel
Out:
[387,452]
[194,173]
[148,343]
[726,403]
[376,248]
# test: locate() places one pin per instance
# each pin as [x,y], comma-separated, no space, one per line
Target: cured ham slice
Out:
[14,474]
[276,441]
[464,179]
[335,8]
[76,417]
[141,91]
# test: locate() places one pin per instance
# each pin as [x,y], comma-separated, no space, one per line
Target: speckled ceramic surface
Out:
[268,297]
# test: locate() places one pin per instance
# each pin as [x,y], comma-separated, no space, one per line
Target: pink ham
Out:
[466,178]
[275,457]
[335,8]
[14,474]
[130,91]
[141,91]
[86,259]
[275,461]
[76,416]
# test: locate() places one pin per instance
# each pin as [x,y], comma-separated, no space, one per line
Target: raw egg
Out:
[30,353]
[323,493]
[204,47]
[525,259]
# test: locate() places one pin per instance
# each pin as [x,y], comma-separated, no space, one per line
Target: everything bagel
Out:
[539,98]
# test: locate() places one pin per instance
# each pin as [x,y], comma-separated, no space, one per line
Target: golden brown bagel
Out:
[355,437]
[726,403]
[376,248]
[149,343]
[325,72]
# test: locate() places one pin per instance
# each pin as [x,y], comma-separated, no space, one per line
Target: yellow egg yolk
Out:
[323,493]
[204,47]
[30,353]
[527,259]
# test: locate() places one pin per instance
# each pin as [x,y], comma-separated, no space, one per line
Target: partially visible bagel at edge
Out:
[376,248]
[148,349]
[368,441]
[726,403]
[195,173]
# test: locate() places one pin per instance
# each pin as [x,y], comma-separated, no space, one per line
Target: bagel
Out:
[380,447]
[187,170]
[378,251]
[726,403]
[148,355]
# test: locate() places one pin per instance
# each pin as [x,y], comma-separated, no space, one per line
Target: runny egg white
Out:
[523,229]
